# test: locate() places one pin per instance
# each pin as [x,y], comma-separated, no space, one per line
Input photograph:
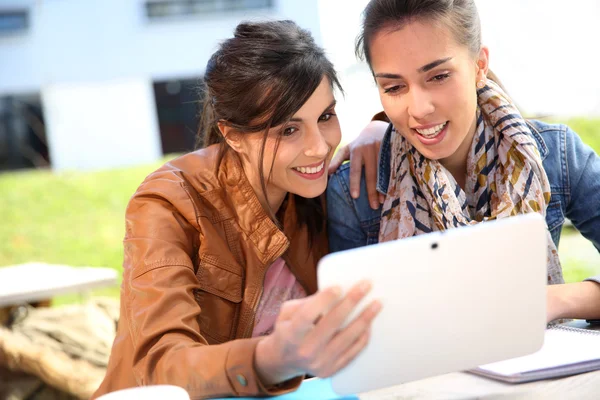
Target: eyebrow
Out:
[424,68]
[434,64]
[333,103]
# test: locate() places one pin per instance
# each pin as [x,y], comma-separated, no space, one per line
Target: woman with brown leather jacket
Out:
[219,292]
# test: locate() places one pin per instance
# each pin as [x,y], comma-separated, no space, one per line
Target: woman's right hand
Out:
[363,152]
[309,338]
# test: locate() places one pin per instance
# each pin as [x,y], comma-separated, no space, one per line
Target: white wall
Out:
[100,125]
[546,53]
[82,41]
[340,26]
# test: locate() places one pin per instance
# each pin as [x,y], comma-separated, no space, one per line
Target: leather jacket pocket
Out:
[219,297]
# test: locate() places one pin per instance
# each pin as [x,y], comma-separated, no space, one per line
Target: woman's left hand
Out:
[554,302]
[364,150]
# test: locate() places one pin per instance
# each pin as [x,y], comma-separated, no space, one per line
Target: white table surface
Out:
[463,385]
[38,281]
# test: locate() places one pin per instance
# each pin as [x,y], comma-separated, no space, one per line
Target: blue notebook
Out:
[314,389]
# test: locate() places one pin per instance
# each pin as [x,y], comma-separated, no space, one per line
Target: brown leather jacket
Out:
[197,246]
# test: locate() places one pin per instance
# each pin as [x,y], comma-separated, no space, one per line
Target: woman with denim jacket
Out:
[219,292]
[455,149]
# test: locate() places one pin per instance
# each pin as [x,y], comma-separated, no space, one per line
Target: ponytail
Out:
[208,130]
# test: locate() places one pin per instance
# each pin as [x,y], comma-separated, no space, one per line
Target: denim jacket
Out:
[573,170]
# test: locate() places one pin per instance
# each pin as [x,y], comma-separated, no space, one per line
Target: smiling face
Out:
[301,158]
[427,85]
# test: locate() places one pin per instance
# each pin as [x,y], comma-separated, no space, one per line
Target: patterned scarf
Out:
[505,177]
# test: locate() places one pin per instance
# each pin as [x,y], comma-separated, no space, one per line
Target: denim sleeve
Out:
[583,174]
[593,279]
[351,223]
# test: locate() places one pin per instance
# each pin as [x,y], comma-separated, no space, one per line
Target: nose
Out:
[420,103]
[315,144]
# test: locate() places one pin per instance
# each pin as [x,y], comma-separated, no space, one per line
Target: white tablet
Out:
[451,300]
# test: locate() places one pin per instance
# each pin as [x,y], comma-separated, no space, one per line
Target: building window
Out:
[13,21]
[178,105]
[22,133]
[157,9]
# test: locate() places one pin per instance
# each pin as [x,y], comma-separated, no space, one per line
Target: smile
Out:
[311,170]
[432,132]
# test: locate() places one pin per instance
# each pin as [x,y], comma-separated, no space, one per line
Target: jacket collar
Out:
[269,240]
[542,148]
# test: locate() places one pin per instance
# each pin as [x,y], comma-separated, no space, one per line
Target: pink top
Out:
[280,286]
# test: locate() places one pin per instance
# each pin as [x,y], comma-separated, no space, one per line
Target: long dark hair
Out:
[259,79]
[461,18]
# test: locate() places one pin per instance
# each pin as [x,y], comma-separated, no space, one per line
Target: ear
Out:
[231,136]
[483,63]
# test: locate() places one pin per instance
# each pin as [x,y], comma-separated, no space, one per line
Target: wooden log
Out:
[77,377]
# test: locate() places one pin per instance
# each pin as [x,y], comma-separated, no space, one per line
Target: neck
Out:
[275,196]
[456,164]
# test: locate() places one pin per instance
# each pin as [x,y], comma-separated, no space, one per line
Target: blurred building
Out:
[90,84]
[94,84]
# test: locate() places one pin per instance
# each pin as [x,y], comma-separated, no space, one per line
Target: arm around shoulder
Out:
[343,223]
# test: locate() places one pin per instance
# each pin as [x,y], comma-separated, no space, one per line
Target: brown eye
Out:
[289,131]
[326,117]
[392,89]
[440,77]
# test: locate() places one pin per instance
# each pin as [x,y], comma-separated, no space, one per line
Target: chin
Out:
[432,155]
[437,154]
[310,193]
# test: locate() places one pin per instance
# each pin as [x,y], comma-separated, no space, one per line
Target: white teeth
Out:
[311,170]
[432,132]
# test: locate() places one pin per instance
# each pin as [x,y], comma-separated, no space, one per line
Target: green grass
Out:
[578,256]
[580,259]
[77,218]
[74,218]
[588,129]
